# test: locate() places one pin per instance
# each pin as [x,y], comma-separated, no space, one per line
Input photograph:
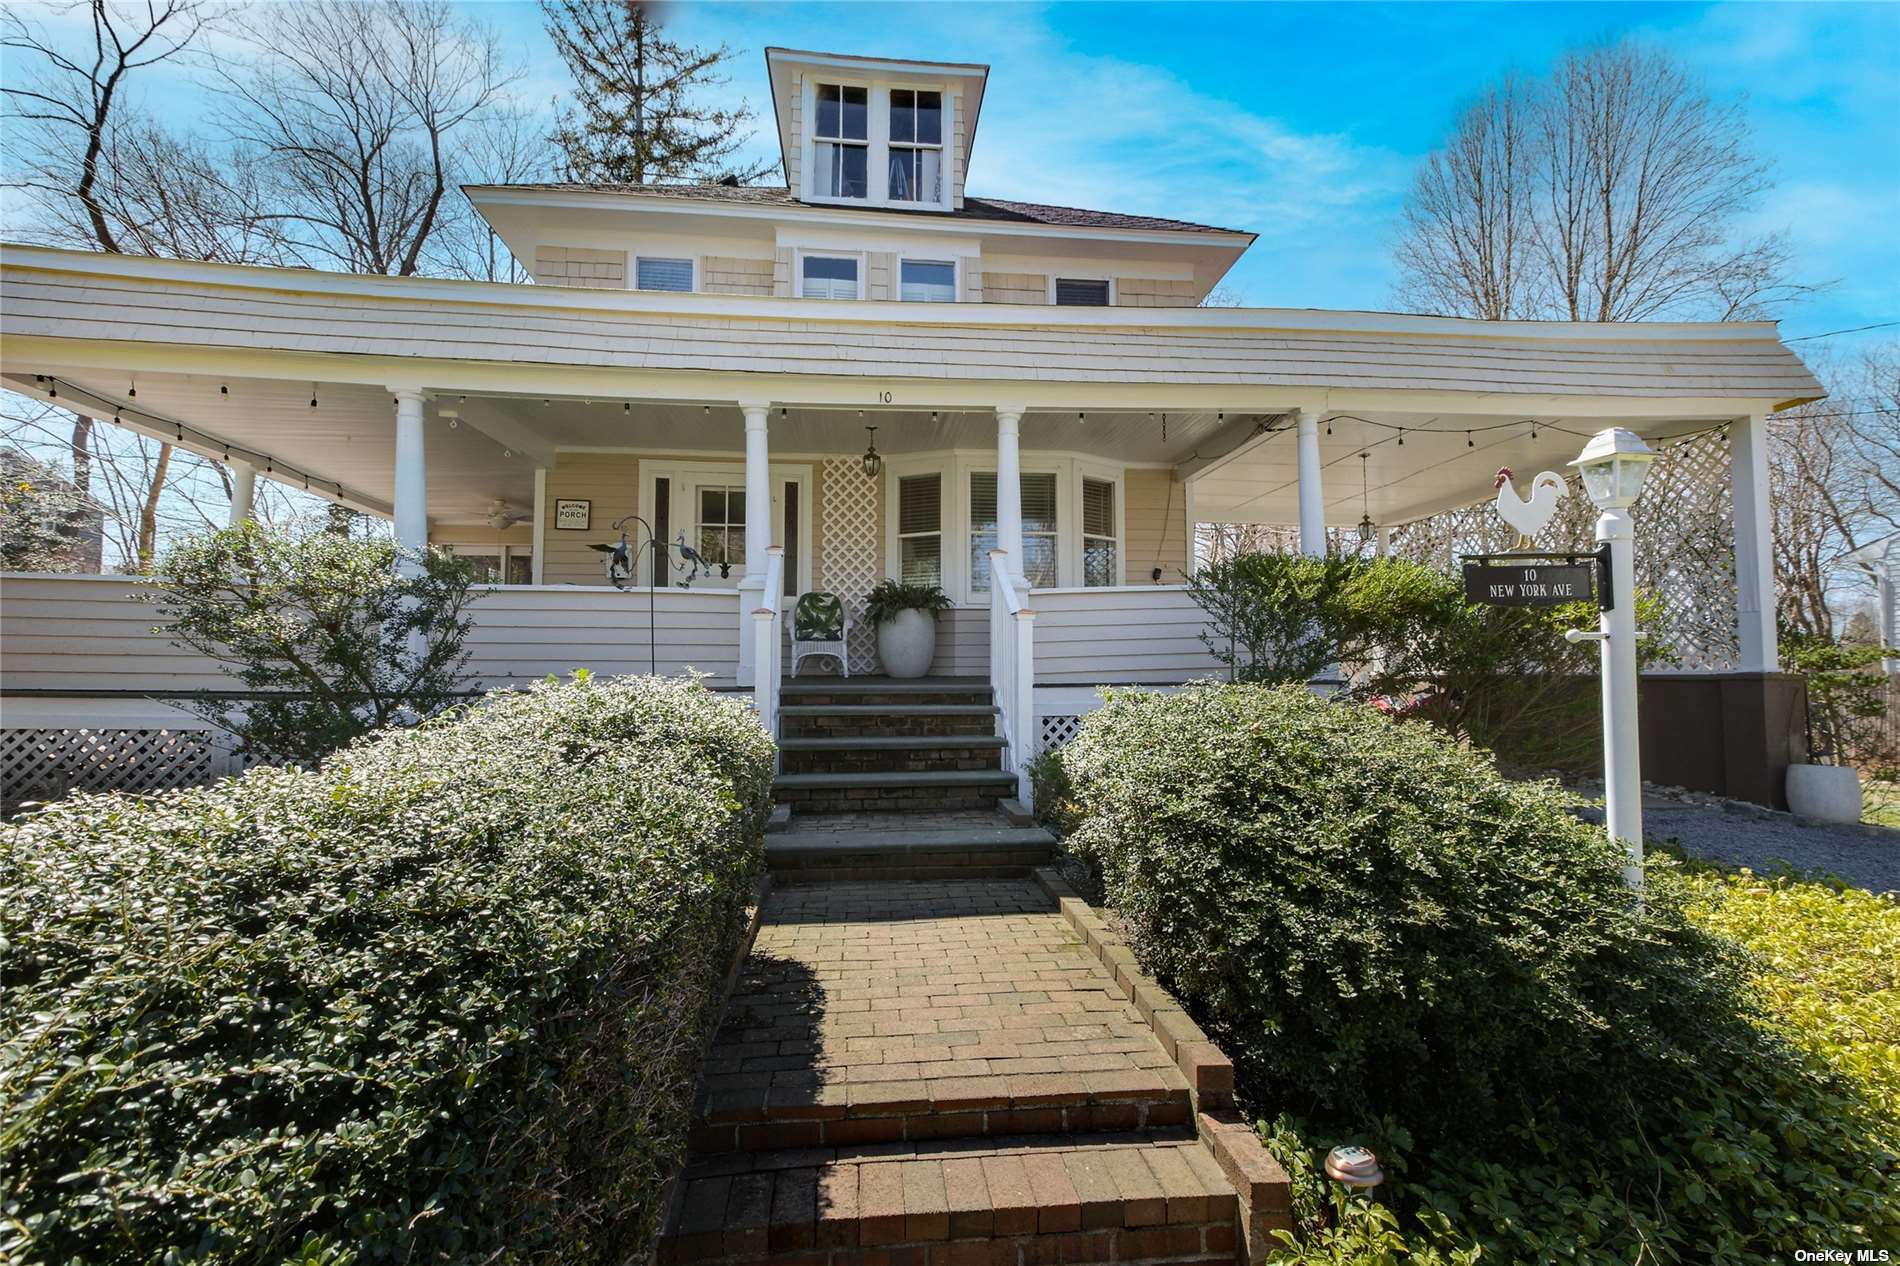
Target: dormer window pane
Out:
[1073,293]
[916,173]
[843,113]
[843,170]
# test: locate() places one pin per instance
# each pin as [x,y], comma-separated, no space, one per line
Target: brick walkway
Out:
[950,1071]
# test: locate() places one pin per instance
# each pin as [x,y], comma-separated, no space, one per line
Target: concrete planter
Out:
[1828,793]
[907,643]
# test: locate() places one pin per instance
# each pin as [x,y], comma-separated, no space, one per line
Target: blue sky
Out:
[1303,122]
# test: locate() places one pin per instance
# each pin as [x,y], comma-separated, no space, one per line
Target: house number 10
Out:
[883,397]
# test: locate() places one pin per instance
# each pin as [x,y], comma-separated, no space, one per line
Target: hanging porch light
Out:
[871,462]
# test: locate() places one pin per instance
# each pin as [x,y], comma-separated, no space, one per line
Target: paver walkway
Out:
[945,1071]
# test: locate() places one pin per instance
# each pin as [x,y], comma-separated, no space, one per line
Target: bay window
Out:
[916,146]
[920,529]
[927,281]
[1039,528]
[843,141]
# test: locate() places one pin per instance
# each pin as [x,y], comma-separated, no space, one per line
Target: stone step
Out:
[890,754]
[877,720]
[731,1117]
[909,792]
[1113,1199]
[814,856]
[887,691]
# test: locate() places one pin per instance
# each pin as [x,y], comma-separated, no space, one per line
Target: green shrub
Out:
[1380,928]
[441,1000]
[1847,696]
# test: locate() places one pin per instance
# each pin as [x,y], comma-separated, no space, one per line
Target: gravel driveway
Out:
[1868,857]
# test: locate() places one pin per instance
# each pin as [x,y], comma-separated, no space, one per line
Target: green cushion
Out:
[819,617]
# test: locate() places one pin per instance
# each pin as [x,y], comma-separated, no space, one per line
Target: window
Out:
[662,274]
[926,281]
[722,526]
[1077,293]
[789,536]
[843,142]
[828,277]
[1039,528]
[1100,549]
[916,146]
[496,564]
[920,529]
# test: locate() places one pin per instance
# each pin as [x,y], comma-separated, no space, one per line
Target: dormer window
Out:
[843,141]
[916,146]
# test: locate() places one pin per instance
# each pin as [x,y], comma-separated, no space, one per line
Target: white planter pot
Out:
[1829,793]
[907,643]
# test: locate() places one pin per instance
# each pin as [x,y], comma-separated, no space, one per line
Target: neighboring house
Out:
[1881,561]
[67,528]
[713,358]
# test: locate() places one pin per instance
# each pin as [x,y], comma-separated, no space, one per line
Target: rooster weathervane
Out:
[1528,517]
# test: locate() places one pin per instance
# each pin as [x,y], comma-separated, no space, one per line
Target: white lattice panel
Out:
[1058,730]
[48,764]
[848,564]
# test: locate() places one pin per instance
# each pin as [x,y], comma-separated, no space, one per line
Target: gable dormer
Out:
[875,132]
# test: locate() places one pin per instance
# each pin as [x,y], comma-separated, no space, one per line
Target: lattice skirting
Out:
[849,564]
[49,763]
[1058,730]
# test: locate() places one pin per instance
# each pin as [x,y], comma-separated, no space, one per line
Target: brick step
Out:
[890,754]
[798,1113]
[819,856]
[1116,1199]
[930,791]
[887,691]
[875,720]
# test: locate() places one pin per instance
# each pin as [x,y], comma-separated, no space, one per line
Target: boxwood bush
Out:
[1396,943]
[440,1000]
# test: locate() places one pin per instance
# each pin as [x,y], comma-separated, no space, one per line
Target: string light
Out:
[224,389]
[1468,442]
[52,392]
[132,392]
[626,406]
[1401,437]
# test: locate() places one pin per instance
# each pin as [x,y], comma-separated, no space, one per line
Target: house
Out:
[717,365]
[69,524]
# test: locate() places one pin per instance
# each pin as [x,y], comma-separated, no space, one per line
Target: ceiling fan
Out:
[502,515]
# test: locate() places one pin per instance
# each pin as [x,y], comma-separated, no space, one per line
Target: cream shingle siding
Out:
[189,312]
[782,261]
[579,266]
[1139,292]
[1155,520]
[877,273]
[1015,288]
[725,275]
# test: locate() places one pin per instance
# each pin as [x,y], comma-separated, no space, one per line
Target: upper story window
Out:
[843,141]
[662,274]
[927,281]
[1072,292]
[916,146]
[828,277]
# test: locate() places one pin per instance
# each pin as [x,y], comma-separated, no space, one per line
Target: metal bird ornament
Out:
[1528,517]
[619,562]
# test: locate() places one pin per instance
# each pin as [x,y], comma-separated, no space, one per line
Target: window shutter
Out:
[1071,293]
[663,274]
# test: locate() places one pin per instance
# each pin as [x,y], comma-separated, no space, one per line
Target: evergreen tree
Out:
[636,119]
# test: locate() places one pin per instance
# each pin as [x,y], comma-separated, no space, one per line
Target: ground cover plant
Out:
[441,1000]
[1401,947]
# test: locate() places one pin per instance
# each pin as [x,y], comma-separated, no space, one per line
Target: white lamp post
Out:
[1613,465]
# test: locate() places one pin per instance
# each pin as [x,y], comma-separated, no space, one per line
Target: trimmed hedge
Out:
[1394,942]
[442,1000]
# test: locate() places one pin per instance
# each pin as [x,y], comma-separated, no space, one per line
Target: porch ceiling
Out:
[1440,465]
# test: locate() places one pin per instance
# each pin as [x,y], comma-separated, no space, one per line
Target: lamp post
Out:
[1613,465]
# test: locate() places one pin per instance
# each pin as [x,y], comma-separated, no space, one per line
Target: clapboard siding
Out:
[1156,523]
[92,633]
[267,312]
[963,642]
[1114,636]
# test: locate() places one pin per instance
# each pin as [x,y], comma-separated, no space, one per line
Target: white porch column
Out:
[1009,487]
[411,504]
[539,549]
[243,492]
[1754,556]
[1385,541]
[1312,497]
[1889,610]
[758,526]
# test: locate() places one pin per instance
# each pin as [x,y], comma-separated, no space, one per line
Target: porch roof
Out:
[1199,389]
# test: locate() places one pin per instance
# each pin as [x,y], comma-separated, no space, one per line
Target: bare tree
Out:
[637,120]
[355,113]
[62,113]
[1469,233]
[1874,422]
[508,146]
[1613,191]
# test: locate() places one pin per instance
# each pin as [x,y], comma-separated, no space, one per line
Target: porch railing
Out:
[1013,670]
[767,665]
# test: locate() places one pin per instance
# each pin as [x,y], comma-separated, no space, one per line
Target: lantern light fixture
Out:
[1613,465]
[871,462]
